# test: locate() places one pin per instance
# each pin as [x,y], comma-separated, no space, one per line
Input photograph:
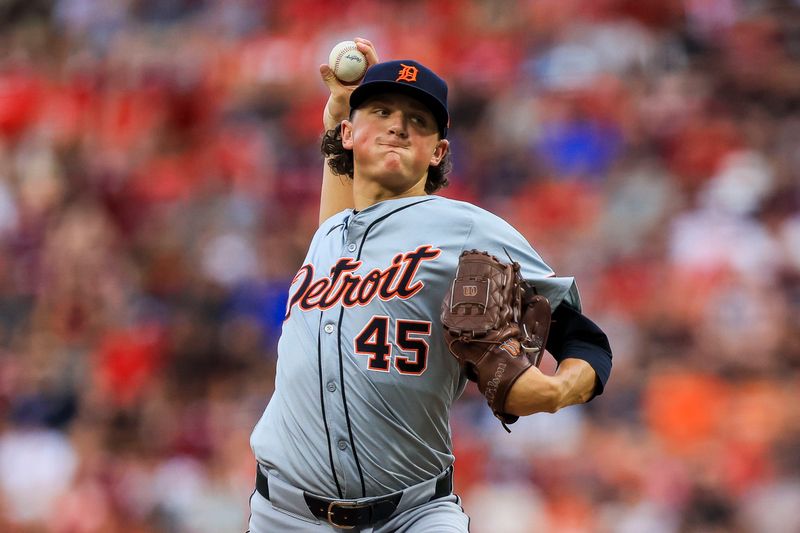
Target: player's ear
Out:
[347,135]
[441,150]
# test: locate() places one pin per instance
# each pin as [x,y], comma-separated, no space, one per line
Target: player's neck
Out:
[367,193]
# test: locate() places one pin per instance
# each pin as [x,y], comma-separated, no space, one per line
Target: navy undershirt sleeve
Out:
[574,336]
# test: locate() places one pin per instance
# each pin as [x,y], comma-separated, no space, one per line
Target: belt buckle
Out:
[343,505]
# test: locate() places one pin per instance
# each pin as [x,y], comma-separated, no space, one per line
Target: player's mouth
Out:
[390,144]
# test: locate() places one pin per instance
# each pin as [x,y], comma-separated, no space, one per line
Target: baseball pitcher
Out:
[402,298]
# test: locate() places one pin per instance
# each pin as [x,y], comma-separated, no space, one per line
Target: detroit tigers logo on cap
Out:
[407,73]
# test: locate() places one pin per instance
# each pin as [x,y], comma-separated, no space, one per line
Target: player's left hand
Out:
[338,107]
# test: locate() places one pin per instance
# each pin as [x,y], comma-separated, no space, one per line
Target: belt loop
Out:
[262,486]
[444,485]
[427,491]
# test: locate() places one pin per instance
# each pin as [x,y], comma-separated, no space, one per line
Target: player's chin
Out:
[394,157]
[395,170]
[397,179]
[394,166]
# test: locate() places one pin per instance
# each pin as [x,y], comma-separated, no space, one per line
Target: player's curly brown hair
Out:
[340,161]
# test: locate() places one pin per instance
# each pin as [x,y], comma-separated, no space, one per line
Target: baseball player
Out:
[356,435]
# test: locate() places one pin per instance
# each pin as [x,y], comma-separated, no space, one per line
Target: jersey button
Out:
[328,328]
[342,445]
[332,386]
[351,247]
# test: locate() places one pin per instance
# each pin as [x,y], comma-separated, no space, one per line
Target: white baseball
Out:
[347,63]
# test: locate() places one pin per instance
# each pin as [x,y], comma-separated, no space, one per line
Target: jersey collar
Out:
[385,207]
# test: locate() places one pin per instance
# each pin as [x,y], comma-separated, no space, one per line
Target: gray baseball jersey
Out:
[364,379]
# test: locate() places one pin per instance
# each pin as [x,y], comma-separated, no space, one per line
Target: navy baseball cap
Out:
[407,77]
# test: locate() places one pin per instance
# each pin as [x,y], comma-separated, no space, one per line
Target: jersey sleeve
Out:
[496,236]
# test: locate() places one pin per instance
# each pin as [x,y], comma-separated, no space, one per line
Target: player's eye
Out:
[419,120]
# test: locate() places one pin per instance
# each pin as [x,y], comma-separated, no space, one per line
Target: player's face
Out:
[394,139]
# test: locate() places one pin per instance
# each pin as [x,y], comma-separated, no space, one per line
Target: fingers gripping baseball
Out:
[338,106]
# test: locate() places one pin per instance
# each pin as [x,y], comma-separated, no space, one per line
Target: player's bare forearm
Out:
[536,392]
[336,195]
[337,191]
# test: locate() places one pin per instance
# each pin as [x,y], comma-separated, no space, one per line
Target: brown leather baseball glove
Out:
[495,324]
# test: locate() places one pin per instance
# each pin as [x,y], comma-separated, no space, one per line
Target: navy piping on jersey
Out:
[384,217]
[322,406]
[341,359]
[344,401]
[333,228]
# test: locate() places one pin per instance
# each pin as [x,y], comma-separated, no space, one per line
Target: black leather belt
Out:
[346,514]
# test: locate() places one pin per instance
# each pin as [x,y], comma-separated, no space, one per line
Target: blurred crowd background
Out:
[159,185]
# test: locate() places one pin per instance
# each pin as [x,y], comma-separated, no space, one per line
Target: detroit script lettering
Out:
[342,285]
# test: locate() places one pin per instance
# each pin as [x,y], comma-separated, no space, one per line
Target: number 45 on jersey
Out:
[410,338]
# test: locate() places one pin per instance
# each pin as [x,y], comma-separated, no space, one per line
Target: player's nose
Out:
[398,124]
